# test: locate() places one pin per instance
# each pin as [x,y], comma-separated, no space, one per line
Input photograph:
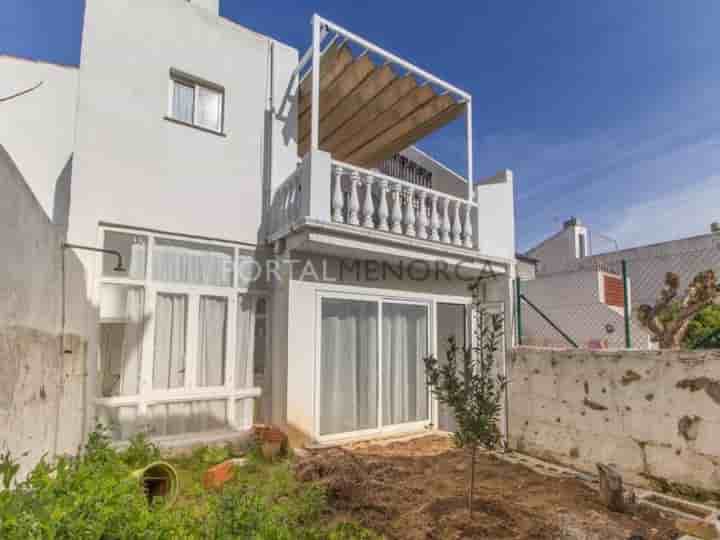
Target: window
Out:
[582,247]
[176,335]
[196,102]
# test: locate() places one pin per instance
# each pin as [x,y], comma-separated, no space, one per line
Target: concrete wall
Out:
[653,413]
[38,127]
[41,375]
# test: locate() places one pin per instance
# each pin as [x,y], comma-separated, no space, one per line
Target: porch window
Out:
[176,336]
[405,344]
[349,366]
[367,382]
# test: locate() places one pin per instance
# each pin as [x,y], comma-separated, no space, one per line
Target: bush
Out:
[93,497]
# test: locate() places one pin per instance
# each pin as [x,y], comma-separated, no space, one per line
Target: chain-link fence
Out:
[597,304]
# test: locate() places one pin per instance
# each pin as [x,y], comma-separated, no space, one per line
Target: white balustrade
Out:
[457,226]
[369,205]
[422,221]
[383,214]
[396,216]
[410,212]
[398,206]
[354,210]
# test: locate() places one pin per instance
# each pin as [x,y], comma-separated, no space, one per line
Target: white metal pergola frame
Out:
[320,29]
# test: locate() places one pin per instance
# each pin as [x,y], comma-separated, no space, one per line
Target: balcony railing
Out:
[359,197]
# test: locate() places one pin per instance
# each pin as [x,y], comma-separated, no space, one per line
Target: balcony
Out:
[358,105]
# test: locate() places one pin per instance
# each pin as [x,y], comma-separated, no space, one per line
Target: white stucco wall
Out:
[135,168]
[557,253]
[495,234]
[38,128]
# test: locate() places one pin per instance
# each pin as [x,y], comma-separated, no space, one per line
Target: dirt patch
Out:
[416,490]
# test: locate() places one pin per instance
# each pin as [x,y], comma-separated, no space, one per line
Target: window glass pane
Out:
[242,353]
[170,335]
[121,334]
[183,101]
[249,271]
[209,111]
[405,344]
[133,249]
[187,262]
[212,333]
[187,417]
[348,366]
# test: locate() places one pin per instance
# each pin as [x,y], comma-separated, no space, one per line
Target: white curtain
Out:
[405,339]
[138,252]
[212,333]
[186,263]
[170,336]
[348,370]
[242,351]
[121,348]
[183,102]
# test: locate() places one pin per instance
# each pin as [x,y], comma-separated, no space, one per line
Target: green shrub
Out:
[93,497]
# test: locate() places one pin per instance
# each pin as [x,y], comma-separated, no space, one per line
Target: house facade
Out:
[255,264]
[583,292]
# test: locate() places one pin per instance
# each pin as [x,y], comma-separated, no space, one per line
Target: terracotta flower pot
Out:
[272,441]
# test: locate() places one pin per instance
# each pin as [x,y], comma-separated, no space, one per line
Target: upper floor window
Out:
[196,102]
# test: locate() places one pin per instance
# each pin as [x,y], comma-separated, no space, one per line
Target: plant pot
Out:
[271,449]
[271,440]
[158,480]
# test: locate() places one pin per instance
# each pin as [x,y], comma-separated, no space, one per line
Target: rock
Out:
[217,476]
[611,488]
[698,529]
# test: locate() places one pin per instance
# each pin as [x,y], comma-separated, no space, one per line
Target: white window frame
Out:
[147,395]
[196,83]
[381,428]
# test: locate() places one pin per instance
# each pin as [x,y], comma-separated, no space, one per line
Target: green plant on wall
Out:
[469,384]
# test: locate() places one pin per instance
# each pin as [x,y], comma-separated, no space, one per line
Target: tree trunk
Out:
[472,481]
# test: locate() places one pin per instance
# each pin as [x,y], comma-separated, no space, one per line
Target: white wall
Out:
[38,128]
[135,168]
[495,233]
[558,252]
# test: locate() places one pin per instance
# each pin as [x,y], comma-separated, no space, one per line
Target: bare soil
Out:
[416,489]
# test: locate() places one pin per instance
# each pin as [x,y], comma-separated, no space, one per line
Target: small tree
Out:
[669,319]
[469,385]
[704,330]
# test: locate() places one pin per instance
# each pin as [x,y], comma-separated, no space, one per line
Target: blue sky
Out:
[609,111]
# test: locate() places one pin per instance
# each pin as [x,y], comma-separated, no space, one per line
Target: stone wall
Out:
[655,414]
[42,379]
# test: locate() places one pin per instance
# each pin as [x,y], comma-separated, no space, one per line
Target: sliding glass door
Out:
[371,372]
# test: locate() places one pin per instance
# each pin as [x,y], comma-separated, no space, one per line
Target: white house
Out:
[582,292]
[252,245]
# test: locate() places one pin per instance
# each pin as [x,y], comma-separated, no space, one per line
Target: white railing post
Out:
[396,217]
[422,221]
[457,226]
[468,226]
[383,209]
[410,213]
[354,210]
[445,237]
[369,206]
[434,219]
[338,200]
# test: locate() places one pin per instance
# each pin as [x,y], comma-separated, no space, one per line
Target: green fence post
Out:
[626,304]
[518,304]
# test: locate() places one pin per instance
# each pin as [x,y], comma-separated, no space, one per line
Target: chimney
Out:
[715,227]
[213,6]
[572,222]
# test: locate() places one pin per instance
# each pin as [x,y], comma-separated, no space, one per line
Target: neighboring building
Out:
[195,150]
[580,289]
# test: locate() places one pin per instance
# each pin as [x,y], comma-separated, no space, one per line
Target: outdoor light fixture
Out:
[118,268]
